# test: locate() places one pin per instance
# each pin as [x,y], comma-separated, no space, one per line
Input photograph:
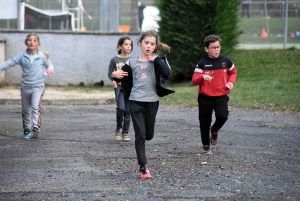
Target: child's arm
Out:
[198,76]
[9,63]
[164,69]
[231,76]
[49,67]
[111,69]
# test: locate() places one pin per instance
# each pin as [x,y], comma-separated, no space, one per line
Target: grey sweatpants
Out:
[31,105]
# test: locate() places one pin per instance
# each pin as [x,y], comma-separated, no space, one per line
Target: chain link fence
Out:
[264,23]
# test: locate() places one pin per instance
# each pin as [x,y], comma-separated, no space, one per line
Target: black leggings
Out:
[206,106]
[143,116]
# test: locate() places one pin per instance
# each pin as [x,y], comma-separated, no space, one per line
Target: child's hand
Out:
[229,85]
[207,77]
[151,57]
[115,84]
[49,71]
[119,74]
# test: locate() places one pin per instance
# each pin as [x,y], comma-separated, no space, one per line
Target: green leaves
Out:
[184,25]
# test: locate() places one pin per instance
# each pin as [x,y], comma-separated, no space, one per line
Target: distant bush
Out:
[184,24]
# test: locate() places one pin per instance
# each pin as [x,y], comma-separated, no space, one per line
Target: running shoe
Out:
[213,137]
[145,173]
[35,133]
[126,137]
[27,133]
[206,150]
[118,134]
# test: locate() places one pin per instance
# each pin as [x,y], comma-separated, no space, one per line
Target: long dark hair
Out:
[121,42]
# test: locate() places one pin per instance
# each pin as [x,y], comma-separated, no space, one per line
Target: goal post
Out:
[31,17]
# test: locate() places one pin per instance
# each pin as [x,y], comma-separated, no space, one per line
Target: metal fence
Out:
[273,8]
[111,15]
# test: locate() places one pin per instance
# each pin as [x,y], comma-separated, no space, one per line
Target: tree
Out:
[184,25]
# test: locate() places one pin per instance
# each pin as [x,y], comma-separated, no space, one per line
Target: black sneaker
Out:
[35,133]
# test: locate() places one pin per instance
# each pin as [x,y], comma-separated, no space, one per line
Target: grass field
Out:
[267,80]
[253,27]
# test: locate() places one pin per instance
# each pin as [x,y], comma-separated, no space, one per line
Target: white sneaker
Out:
[126,137]
[35,133]
[118,134]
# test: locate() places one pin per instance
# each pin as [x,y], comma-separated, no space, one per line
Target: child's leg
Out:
[120,109]
[221,113]
[26,93]
[137,112]
[36,100]
[126,123]
[205,107]
[151,109]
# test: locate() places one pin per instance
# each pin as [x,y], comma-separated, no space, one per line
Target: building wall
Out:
[77,57]
[2,59]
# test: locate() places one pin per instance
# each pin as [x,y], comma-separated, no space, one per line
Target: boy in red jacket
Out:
[215,75]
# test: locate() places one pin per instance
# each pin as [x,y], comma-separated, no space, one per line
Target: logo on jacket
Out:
[224,64]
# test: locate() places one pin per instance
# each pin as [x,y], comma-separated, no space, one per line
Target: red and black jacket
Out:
[222,70]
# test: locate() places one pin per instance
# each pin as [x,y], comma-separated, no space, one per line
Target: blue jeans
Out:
[122,113]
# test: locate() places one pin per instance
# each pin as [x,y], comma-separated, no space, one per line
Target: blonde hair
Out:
[38,39]
[159,46]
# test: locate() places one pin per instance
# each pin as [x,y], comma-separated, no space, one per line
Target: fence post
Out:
[2,59]
[286,23]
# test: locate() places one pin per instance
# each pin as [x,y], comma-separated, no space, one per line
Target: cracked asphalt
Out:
[76,157]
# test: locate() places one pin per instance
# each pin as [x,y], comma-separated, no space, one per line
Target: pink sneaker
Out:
[145,173]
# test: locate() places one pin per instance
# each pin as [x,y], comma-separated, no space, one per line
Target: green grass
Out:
[267,80]
[252,30]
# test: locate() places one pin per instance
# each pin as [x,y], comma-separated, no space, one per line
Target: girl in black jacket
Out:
[141,82]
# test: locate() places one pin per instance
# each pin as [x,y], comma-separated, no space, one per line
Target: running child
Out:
[215,75]
[142,86]
[124,47]
[34,63]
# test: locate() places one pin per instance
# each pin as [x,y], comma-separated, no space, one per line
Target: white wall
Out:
[2,59]
[76,56]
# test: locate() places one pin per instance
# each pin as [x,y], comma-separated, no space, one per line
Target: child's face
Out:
[126,47]
[148,45]
[213,50]
[32,43]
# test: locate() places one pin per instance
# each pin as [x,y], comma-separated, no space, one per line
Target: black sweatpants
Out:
[206,106]
[143,116]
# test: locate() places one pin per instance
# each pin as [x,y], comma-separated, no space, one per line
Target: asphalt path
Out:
[76,157]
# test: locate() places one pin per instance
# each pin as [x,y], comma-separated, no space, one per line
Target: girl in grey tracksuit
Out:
[35,64]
